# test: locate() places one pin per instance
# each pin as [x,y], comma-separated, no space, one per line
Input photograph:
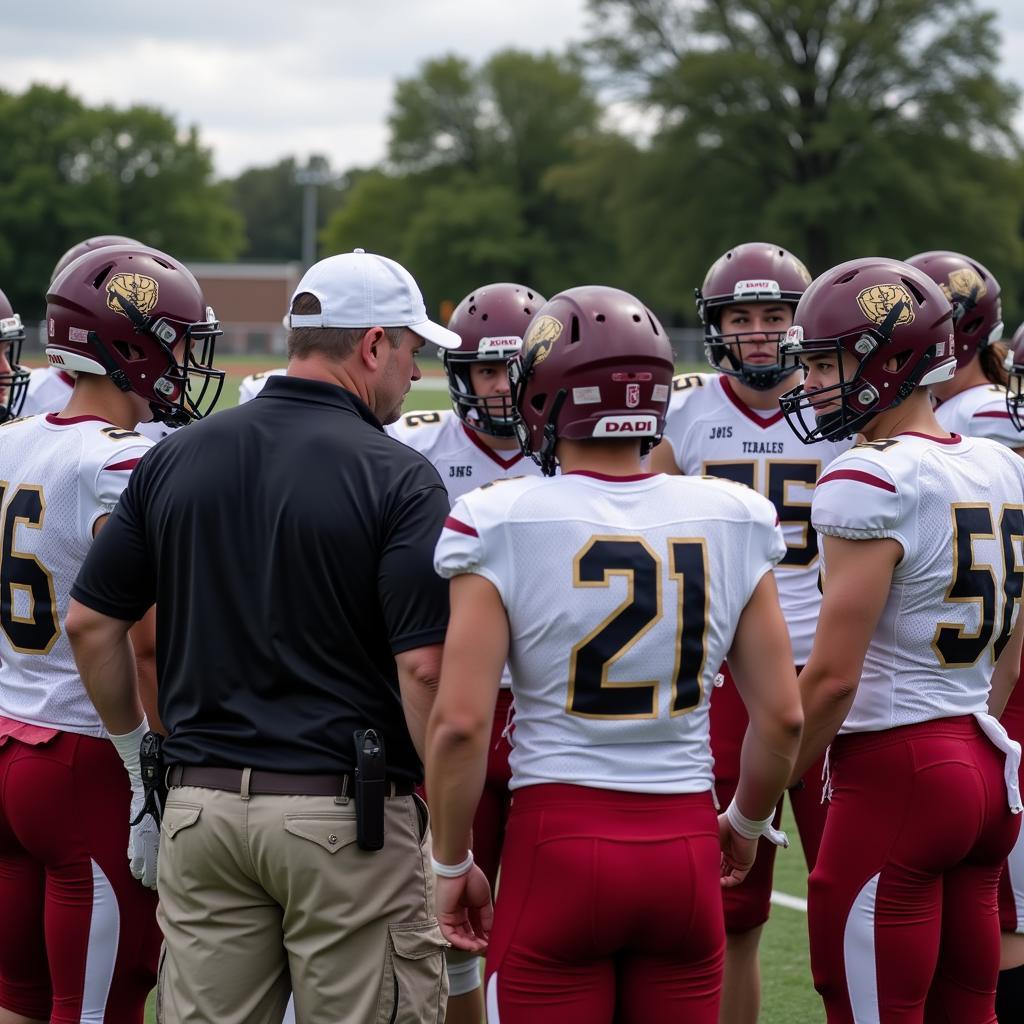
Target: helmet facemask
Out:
[494,415]
[860,399]
[14,382]
[186,390]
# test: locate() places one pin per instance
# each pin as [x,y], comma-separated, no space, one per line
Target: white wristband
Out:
[452,870]
[752,829]
[128,744]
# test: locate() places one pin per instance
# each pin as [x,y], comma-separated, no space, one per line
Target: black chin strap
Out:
[546,453]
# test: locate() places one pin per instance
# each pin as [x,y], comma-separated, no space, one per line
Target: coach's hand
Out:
[738,853]
[143,839]
[464,910]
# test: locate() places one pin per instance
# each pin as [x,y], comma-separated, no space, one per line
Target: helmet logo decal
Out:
[964,283]
[632,396]
[540,337]
[138,289]
[877,302]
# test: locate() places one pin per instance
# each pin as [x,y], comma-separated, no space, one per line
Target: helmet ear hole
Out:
[574,330]
[538,402]
[971,326]
[129,351]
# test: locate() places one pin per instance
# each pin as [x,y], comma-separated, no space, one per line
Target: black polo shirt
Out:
[288,545]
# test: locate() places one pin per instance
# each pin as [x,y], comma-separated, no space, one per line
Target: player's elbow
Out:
[453,729]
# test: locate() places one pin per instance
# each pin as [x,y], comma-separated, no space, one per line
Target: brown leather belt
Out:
[263,783]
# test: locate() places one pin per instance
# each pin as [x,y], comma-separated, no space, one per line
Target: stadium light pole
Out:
[311,177]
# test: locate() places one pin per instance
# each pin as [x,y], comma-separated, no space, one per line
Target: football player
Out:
[13,376]
[79,939]
[923,579]
[252,384]
[614,594]
[473,444]
[975,403]
[729,425]
[49,387]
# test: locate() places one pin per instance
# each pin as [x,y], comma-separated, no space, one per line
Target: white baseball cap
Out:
[362,289]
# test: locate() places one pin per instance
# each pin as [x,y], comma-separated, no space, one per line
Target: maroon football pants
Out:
[1011,879]
[609,909]
[902,906]
[79,938]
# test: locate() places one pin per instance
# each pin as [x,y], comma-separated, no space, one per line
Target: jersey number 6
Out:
[591,695]
[28,605]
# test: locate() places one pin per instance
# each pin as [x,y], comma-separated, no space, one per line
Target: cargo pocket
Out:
[414,988]
[331,832]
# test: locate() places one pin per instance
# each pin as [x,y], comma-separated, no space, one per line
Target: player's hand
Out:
[737,853]
[143,840]
[464,910]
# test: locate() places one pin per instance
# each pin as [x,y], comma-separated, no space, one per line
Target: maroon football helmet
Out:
[878,310]
[1014,366]
[121,311]
[87,245]
[491,322]
[13,380]
[974,294]
[595,363]
[752,272]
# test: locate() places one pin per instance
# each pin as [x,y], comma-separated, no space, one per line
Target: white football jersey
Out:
[623,597]
[457,452]
[252,385]
[957,508]
[57,477]
[713,433]
[980,412]
[49,390]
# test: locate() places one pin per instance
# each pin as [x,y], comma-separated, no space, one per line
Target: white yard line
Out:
[783,899]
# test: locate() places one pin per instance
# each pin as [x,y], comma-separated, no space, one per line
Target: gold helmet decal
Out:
[877,302]
[964,283]
[540,337]
[141,291]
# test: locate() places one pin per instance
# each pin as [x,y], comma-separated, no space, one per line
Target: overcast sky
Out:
[263,81]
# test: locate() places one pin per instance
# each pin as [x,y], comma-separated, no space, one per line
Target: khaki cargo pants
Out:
[263,895]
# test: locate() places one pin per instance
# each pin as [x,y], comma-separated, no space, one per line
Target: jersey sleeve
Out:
[109,457]
[767,545]
[418,429]
[992,420]
[252,385]
[466,546]
[857,498]
[118,577]
[679,417]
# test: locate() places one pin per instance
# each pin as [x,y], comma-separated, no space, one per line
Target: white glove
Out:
[143,839]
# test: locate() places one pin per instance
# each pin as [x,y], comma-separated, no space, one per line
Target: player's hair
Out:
[333,342]
[992,357]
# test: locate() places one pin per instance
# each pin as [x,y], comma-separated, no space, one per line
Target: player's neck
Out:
[98,396]
[609,458]
[764,400]
[970,376]
[912,416]
[497,444]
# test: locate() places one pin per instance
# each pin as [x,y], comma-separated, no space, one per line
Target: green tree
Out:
[837,127]
[469,194]
[270,202]
[68,171]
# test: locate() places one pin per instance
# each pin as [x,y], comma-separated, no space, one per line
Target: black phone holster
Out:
[154,783]
[371,789]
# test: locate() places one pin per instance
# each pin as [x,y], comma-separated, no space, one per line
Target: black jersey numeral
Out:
[24,580]
[978,583]
[783,477]
[590,693]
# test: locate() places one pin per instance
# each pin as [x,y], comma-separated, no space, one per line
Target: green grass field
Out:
[787,994]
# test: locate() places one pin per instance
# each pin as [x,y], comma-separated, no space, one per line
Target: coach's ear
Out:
[371,353]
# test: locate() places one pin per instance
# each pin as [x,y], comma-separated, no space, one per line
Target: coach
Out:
[287,544]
